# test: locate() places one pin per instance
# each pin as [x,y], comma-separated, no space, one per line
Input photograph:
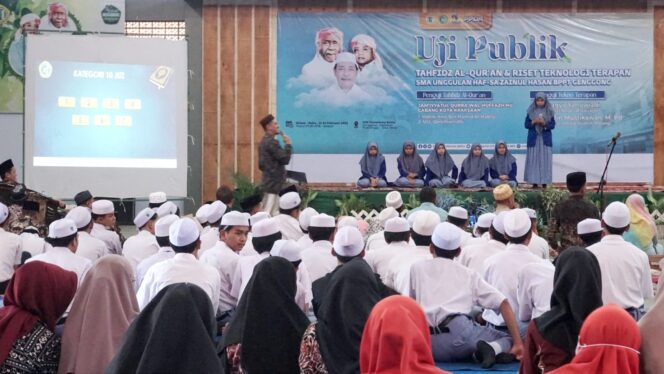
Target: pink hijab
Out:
[642,225]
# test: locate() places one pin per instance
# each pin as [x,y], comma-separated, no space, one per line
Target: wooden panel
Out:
[209,131]
[538,6]
[445,5]
[657,96]
[227,93]
[313,5]
[244,88]
[210,161]
[612,5]
[261,78]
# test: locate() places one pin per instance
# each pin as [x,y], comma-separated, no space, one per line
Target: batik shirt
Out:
[272,161]
[36,352]
[566,215]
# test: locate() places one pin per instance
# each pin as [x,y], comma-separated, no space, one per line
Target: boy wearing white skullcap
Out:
[378,239]
[473,256]
[590,231]
[458,216]
[103,215]
[448,291]
[88,246]
[184,267]
[224,256]
[397,237]
[201,217]
[165,251]
[480,232]
[626,279]
[318,256]
[215,213]
[305,220]
[63,238]
[538,245]
[501,270]
[143,245]
[289,214]
[291,251]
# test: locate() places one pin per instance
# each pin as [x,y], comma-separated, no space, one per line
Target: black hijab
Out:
[267,321]
[577,291]
[352,292]
[173,334]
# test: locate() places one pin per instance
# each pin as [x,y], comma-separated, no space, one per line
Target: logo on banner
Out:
[45,69]
[111,14]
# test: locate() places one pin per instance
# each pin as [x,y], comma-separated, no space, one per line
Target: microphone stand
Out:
[602,181]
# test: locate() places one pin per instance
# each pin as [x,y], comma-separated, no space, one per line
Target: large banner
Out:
[463,78]
[21,17]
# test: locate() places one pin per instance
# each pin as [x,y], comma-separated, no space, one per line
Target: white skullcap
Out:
[588,226]
[305,217]
[484,222]
[393,200]
[4,213]
[397,224]
[411,218]
[458,212]
[183,232]
[80,215]
[363,39]
[346,57]
[167,208]
[157,197]
[265,228]
[143,217]
[425,222]
[446,236]
[322,220]
[215,211]
[498,222]
[616,215]
[28,18]
[62,228]
[202,212]
[235,218]
[348,242]
[516,223]
[101,207]
[259,217]
[289,200]
[386,214]
[348,221]
[532,214]
[288,249]
[163,224]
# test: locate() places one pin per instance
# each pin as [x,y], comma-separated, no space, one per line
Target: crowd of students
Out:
[244,292]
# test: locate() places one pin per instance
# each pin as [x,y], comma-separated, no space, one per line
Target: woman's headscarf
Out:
[36,292]
[475,166]
[100,315]
[371,165]
[439,165]
[546,111]
[173,334]
[396,339]
[351,293]
[608,343]
[268,323]
[502,163]
[652,338]
[642,228]
[577,291]
[413,163]
[369,41]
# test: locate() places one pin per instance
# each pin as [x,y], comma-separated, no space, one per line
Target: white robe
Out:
[379,259]
[289,227]
[473,256]
[10,253]
[398,272]
[224,260]
[319,260]
[318,72]
[32,243]
[163,254]
[534,290]
[334,97]
[109,237]
[90,247]
[66,259]
[139,247]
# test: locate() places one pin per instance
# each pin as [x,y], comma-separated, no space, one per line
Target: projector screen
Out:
[108,114]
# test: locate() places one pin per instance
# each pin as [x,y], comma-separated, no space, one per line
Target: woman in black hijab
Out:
[173,334]
[265,334]
[577,290]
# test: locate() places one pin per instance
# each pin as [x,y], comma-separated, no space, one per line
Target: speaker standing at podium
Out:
[272,161]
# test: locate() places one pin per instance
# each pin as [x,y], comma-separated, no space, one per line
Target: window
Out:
[171,30]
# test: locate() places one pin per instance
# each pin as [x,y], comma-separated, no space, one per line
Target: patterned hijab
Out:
[475,166]
[370,165]
[642,226]
[412,163]
[502,163]
[439,165]
[546,112]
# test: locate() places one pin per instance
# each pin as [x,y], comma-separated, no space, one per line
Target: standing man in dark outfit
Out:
[569,212]
[272,161]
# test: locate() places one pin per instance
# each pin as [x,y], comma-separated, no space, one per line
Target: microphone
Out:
[614,139]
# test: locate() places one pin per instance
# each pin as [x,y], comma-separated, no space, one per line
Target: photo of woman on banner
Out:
[29,24]
[539,159]
[319,72]
[57,19]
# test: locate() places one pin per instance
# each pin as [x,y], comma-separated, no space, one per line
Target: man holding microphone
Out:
[272,161]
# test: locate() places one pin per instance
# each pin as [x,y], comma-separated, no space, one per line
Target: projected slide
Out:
[104,115]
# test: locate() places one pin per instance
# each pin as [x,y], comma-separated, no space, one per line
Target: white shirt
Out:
[304,286]
[399,267]
[477,240]
[318,72]
[466,237]
[32,243]
[501,271]
[66,259]
[248,249]
[289,227]
[90,247]
[443,287]
[209,240]
[110,238]
[10,254]
[182,268]
[224,260]
[539,246]
[139,247]
[473,256]
[626,279]
[243,272]
[163,254]
[376,240]
[379,259]
[534,290]
[318,259]
[305,241]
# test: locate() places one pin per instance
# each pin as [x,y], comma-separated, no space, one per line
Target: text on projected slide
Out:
[104,115]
